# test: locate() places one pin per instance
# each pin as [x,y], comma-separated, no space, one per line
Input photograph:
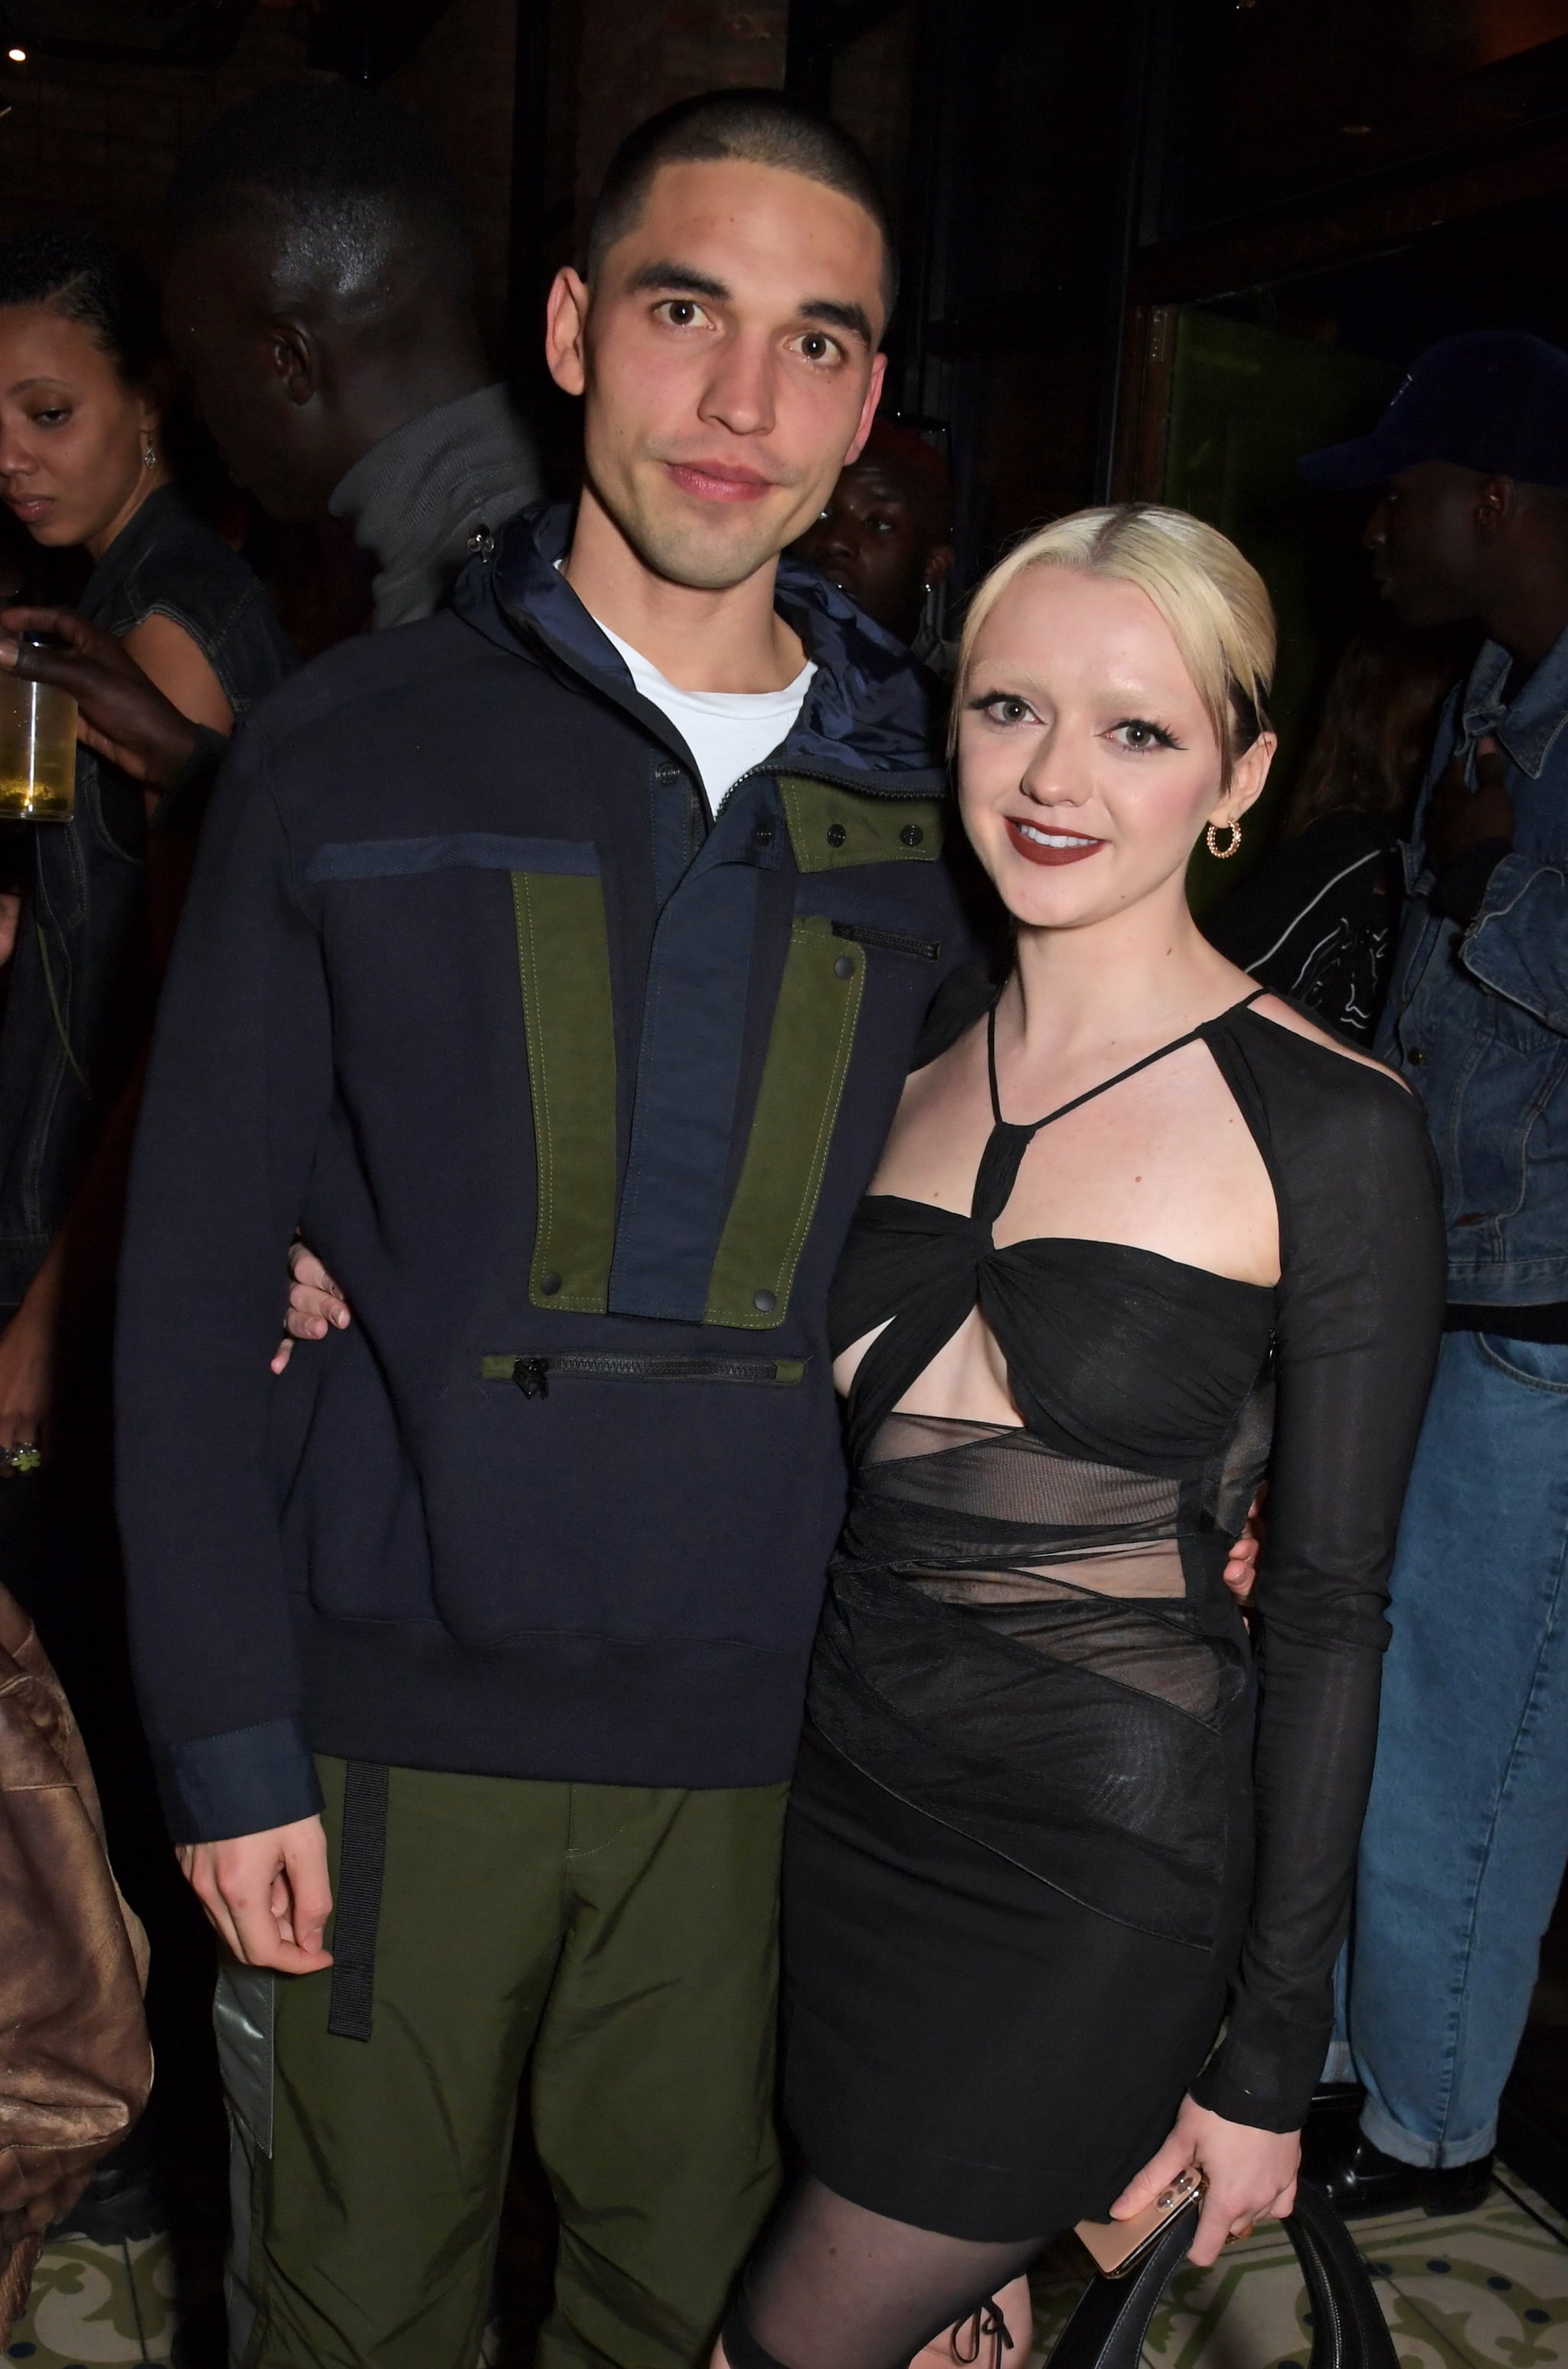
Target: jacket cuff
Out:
[242,1783]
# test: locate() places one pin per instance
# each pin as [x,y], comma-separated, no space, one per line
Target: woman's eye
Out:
[1008,710]
[1136,732]
[680,312]
[52,418]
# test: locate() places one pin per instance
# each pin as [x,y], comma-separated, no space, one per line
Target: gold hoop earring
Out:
[1223,854]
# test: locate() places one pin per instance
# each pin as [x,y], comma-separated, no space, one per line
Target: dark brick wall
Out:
[637,56]
[96,144]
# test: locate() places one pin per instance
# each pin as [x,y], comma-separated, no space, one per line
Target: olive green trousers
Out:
[620,1947]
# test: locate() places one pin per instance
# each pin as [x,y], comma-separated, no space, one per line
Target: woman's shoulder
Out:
[183,570]
[1333,1113]
[1310,1029]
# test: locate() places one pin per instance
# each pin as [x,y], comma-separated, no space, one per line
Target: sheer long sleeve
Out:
[1360,1315]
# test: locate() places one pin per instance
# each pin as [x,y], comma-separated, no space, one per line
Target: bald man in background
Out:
[320,303]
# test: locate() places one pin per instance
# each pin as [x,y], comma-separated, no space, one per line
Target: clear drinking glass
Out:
[37,751]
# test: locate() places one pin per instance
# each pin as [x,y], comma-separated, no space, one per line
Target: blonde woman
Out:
[1141,1232]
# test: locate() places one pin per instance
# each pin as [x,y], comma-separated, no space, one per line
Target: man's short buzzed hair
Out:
[356,201]
[747,127]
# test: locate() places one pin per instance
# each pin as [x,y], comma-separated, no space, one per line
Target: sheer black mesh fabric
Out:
[973,1657]
[977,1658]
[836,2286]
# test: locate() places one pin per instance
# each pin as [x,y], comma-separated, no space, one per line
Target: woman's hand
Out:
[314,1303]
[1250,2175]
[26,1374]
[1241,1562]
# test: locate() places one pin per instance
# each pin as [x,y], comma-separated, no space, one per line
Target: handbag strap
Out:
[1110,2321]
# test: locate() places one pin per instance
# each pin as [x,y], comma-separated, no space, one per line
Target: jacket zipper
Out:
[532,1371]
[893,942]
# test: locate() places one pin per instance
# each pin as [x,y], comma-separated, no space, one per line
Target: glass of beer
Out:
[37,751]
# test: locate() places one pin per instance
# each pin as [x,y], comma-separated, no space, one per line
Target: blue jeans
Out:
[1467,1829]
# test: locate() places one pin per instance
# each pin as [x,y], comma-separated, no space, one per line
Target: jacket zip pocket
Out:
[891,941]
[532,1371]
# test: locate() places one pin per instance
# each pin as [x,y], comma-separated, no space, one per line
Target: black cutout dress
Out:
[1050,1822]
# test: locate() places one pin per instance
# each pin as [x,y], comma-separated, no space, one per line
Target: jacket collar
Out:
[866,720]
[1527,725]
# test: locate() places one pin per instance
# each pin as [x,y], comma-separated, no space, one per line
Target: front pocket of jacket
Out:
[532,1371]
[564,966]
[807,1060]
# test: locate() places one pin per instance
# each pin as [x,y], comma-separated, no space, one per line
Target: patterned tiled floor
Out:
[93,2306]
[1488,2291]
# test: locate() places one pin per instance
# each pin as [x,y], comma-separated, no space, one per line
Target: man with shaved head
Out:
[321,301]
[553,966]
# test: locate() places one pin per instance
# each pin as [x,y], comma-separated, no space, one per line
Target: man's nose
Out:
[1376,531]
[739,393]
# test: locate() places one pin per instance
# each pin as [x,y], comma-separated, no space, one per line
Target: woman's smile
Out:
[1039,844]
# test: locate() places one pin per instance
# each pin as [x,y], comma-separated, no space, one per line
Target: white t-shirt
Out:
[726,731]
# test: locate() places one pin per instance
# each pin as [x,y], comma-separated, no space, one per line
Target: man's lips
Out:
[29,506]
[1038,845]
[712,481]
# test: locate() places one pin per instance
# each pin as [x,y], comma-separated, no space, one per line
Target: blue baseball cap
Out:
[1493,399]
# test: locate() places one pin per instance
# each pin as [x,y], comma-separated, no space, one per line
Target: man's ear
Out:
[938,563]
[296,359]
[867,409]
[566,331]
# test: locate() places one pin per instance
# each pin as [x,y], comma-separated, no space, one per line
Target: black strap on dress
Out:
[1008,1141]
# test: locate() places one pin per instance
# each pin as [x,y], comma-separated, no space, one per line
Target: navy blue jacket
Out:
[575,1094]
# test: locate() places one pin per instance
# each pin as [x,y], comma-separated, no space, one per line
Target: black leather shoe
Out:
[1361,2180]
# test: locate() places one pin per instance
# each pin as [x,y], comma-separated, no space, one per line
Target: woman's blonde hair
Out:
[1214,601]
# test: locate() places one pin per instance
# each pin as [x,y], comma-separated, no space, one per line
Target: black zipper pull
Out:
[531,1376]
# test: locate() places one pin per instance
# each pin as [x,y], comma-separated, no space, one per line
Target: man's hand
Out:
[1458,817]
[1241,1562]
[10,914]
[315,1302]
[1250,2176]
[266,1894]
[123,716]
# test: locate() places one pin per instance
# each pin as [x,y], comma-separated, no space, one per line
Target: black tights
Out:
[835,2286]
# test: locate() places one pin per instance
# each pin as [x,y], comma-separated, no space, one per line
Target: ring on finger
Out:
[1236,2236]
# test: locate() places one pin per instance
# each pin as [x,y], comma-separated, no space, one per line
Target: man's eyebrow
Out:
[680,279]
[853,318]
[670,277]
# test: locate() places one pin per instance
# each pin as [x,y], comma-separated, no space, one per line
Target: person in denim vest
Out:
[1466,1830]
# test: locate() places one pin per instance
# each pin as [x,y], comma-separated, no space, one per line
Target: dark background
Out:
[1151,247]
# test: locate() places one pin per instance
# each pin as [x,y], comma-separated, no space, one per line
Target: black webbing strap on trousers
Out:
[361,1858]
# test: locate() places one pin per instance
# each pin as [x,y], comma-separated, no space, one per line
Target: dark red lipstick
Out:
[1075,847]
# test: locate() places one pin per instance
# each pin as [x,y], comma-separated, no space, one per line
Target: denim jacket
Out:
[1477,1016]
[79,997]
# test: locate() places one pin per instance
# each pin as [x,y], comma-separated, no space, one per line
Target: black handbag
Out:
[1110,2321]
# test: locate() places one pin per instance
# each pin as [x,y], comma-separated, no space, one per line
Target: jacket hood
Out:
[866,719]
